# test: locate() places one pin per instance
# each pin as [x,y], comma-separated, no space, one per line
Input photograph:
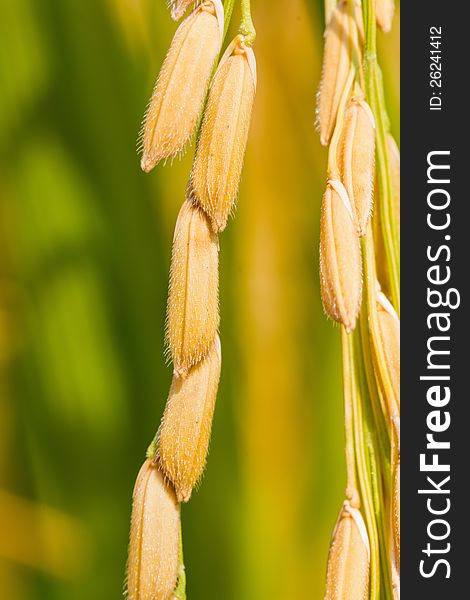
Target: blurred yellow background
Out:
[85,240]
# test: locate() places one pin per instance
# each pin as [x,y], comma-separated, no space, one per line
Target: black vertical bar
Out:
[435,118]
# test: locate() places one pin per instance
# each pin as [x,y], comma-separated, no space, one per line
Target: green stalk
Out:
[180,590]
[381,517]
[363,467]
[379,469]
[375,97]
[246,24]
[370,298]
[352,493]
[228,10]
[381,421]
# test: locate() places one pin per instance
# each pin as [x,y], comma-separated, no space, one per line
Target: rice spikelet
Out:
[356,159]
[184,435]
[348,561]
[336,64]
[193,305]
[181,86]
[389,326]
[153,561]
[393,154]
[221,147]
[384,12]
[340,257]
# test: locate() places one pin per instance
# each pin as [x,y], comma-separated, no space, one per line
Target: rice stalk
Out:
[176,458]
[362,155]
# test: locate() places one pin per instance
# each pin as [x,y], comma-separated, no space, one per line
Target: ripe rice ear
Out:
[356,159]
[153,561]
[193,299]
[337,60]
[349,558]
[340,257]
[184,435]
[384,12]
[221,147]
[179,93]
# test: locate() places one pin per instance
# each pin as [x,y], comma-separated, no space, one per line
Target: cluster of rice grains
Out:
[187,87]
[359,259]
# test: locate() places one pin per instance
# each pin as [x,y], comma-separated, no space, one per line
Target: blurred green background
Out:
[85,243]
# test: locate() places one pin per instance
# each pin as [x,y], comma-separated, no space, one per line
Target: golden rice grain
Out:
[396,590]
[193,305]
[184,435]
[155,536]
[337,59]
[394,171]
[395,584]
[356,159]
[393,155]
[221,147]
[384,11]
[181,87]
[348,560]
[389,326]
[340,257]
[379,247]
